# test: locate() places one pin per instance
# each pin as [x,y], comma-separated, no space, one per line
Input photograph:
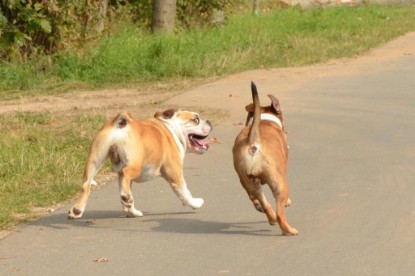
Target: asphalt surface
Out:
[351,178]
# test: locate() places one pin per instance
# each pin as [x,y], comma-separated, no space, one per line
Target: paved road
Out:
[352,152]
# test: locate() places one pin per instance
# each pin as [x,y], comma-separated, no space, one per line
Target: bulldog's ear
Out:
[275,104]
[168,114]
[249,107]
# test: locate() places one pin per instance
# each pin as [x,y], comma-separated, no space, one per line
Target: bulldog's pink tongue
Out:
[204,143]
[201,143]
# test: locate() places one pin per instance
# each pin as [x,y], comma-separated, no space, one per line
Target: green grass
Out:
[286,37]
[42,158]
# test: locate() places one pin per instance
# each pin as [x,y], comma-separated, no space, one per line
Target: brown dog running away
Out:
[139,150]
[260,155]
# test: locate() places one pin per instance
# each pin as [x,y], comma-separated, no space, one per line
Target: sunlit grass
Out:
[286,37]
[42,158]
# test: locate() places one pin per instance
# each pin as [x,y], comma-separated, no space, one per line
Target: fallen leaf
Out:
[215,140]
[101,260]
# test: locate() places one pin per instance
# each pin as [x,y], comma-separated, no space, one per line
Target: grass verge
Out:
[286,37]
[41,161]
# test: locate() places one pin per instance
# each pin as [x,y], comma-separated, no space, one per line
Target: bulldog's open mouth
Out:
[198,143]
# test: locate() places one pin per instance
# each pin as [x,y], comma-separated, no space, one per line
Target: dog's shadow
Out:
[196,226]
[174,223]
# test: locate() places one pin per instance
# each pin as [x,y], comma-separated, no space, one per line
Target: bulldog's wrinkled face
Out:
[192,126]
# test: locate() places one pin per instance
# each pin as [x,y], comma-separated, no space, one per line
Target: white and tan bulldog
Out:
[260,156]
[139,150]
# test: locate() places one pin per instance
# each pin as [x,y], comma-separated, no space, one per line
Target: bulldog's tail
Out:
[253,136]
[105,144]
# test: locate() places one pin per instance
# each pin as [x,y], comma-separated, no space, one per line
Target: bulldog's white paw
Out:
[196,203]
[75,213]
[132,212]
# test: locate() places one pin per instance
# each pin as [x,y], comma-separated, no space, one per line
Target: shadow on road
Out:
[175,222]
[196,226]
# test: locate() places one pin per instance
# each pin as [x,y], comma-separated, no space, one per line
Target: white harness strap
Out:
[268,117]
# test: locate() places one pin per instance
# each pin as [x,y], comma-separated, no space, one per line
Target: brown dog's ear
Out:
[275,104]
[168,114]
[249,107]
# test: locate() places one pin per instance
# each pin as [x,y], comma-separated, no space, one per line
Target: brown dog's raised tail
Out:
[253,136]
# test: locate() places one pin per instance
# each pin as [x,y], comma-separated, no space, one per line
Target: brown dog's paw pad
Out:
[291,232]
[259,208]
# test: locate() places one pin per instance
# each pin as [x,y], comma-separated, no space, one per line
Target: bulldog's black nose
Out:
[208,122]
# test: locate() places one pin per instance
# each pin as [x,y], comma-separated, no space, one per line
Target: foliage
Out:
[23,24]
[32,27]
[199,12]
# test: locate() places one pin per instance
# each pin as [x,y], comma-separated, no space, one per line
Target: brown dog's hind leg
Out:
[254,189]
[256,203]
[280,192]
[125,178]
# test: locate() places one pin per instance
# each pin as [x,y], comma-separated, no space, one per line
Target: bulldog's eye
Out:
[196,120]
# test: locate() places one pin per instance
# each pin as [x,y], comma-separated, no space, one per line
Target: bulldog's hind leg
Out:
[280,191]
[175,178]
[125,178]
[256,203]
[253,187]
[93,164]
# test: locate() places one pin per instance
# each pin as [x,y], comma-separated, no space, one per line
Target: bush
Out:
[32,27]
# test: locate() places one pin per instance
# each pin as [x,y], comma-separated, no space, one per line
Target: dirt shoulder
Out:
[232,92]
[145,100]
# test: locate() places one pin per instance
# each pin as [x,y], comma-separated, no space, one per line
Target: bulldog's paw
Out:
[290,232]
[132,212]
[196,203]
[259,208]
[74,213]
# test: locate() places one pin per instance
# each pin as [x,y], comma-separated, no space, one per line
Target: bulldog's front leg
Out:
[185,196]
[179,186]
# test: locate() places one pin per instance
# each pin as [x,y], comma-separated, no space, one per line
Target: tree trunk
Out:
[255,8]
[164,13]
[102,15]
